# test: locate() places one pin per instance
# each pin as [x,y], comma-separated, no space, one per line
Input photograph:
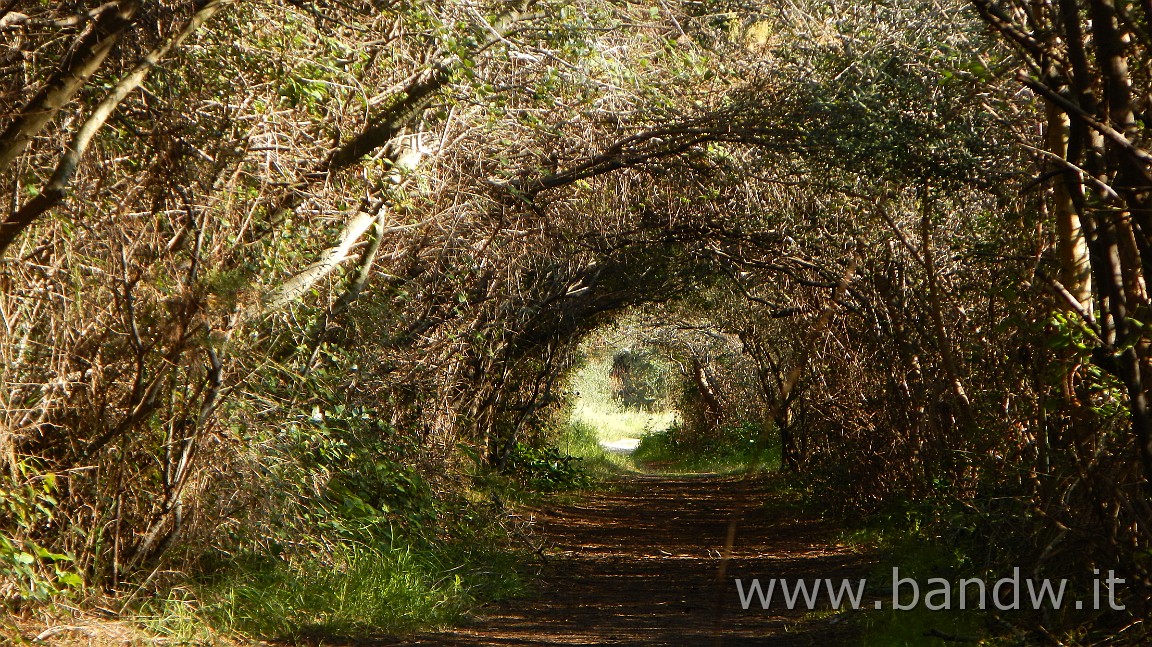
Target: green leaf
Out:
[70,579]
[44,553]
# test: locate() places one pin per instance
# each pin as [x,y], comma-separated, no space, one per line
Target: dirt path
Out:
[638,566]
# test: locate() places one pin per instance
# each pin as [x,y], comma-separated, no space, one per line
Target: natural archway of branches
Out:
[268,268]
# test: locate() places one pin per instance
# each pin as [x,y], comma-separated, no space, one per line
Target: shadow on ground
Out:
[638,566]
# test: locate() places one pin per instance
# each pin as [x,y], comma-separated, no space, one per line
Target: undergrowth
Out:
[907,536]
[351,591]
[582,441]
[729,449]
[940,538]
[353,540]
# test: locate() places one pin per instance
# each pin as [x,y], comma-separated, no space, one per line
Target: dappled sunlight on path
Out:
[638,566]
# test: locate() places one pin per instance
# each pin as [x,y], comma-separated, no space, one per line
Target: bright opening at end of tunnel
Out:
[619,401]
[663,389]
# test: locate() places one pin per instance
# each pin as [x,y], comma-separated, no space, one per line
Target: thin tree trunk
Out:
[936,311]
[712,406]
[299,284]
[1072,249]
[87,54]
[780,414]
[57,187]
[355,286]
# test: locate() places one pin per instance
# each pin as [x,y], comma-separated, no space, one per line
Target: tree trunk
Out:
[86,56]
[1071,247]
[936,311]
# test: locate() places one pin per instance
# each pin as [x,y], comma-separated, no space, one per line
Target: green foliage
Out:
[334,474]
[596,407]
[730,448]
[351,590]
[360,543]
[35,572]
[908,628]
[546,469]
[940,537]
[908,536]
[345,536]
[1068,335]
[582,440]
[785,131]
[639,380]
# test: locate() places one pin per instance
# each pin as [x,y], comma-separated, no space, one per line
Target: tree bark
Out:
[1071,248]
[936,311]
[56,189]
[781,417]
[86,55]
[296,286]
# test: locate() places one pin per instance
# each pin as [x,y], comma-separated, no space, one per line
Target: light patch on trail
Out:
[622,446]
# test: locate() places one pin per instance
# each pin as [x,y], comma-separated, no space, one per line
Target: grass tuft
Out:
[354,591]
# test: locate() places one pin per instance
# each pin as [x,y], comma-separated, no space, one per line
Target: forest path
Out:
[636,564]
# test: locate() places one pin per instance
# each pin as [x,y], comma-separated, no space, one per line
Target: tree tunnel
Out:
[299,268]
[781,303]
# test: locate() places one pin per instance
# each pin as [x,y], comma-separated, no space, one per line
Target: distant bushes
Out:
[546,469]
[731,447]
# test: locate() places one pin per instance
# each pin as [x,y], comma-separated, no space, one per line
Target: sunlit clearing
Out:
[597,406]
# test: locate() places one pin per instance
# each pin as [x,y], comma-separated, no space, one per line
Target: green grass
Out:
[353,591]
[596,417]
[595,408]
[902,534]
[583,441]
[913,628]
[730,449]
[614,423]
